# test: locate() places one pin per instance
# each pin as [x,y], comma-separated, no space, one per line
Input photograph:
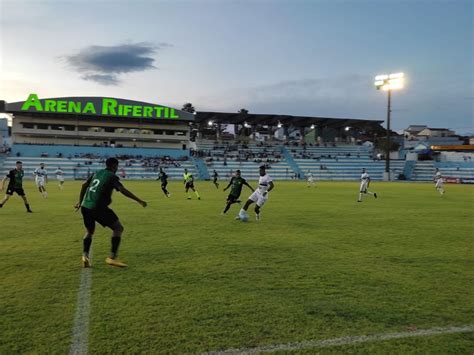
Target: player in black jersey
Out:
[15,184]
[215,176]
[163,177]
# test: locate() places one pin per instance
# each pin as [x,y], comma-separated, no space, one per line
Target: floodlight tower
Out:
[389,82]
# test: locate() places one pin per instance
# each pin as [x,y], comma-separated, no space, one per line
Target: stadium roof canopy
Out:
[286,120]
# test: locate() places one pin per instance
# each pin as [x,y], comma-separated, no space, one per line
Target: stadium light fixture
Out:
[389,82]
[312,126]
[279,124]
[347,128]
[246,125]
[210,123]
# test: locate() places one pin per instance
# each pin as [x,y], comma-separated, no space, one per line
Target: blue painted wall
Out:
[27,150]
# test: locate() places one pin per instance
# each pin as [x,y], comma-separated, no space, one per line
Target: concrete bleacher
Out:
[79,168]
[228,157]
[425,170]
[345,162]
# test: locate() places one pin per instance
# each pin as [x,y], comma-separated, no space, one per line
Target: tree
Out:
[244,111]
[188,107]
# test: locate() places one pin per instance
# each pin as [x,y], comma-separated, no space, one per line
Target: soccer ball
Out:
[243,216]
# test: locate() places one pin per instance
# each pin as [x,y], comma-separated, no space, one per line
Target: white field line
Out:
[349,340]
[80,330]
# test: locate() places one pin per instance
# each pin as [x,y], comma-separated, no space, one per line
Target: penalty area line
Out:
[348,340]
[80,329]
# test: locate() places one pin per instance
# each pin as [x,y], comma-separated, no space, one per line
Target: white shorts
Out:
[258,198]
[311,180]
[439,183]
[60,179]
[363,186]
[40,182]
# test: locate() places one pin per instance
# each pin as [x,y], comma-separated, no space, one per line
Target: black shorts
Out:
[232,198]
[190,185]
[105,216]
[164,184]
[18,190]
[215,180]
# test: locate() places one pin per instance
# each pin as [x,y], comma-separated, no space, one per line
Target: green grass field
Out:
[317,266]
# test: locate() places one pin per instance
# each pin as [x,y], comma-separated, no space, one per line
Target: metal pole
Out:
[387,153]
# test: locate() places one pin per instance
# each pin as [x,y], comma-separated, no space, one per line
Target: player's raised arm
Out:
[130,195]
[250,187]
[230,183]
[270,186]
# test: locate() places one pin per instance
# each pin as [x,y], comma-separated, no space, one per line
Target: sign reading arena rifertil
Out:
[98,106]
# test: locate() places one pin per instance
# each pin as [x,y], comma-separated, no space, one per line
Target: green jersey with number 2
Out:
[99,192]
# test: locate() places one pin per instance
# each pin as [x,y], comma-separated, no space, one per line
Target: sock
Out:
[189,195]
[360,196]
[27,207]
[86,243]
[115,246]
[227,207]
[197,194]
[371,193]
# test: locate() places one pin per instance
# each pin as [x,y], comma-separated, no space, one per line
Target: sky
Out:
[297,57]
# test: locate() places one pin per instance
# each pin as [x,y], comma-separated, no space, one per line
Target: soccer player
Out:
[438,179]
[189,184]
[60,177]
[94,201]
[236,182]
[310,178]
[215,175]
[163,177]
[260,195]
[41,178]
[15,184]
[364,185]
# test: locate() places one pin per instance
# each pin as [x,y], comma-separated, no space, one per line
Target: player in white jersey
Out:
[259,196]
[438,179]
[364,185]
[60,177]
[41,178]
[310,178]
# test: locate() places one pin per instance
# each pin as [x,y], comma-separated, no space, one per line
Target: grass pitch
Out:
[318,265]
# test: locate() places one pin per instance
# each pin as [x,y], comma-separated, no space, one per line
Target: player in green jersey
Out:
[15,184]
[94,201]
[235,184]
[189,184]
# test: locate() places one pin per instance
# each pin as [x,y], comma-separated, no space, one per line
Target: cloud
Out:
[105,64]
[104,79]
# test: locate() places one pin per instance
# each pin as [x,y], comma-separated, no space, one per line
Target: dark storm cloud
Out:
[104,64]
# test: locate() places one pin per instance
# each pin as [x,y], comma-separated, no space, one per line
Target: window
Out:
[28,125]
[42,126]
[109,129]
[158,131]
[82,128]
[69,128]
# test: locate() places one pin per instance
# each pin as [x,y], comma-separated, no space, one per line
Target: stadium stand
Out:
[227,157]
[342,162]
[80,168]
